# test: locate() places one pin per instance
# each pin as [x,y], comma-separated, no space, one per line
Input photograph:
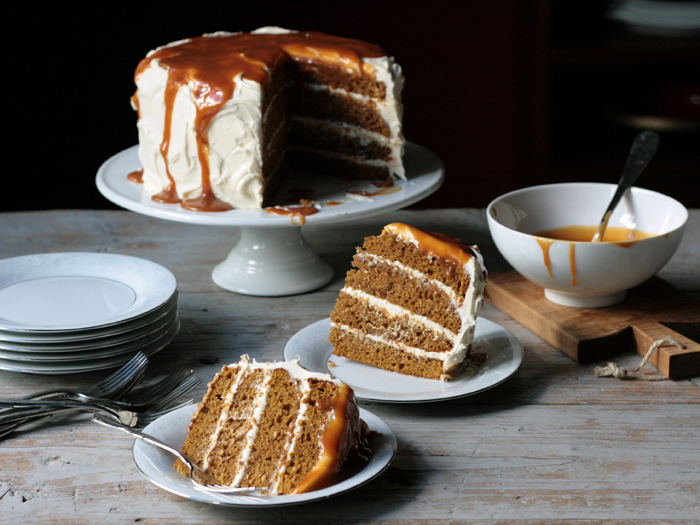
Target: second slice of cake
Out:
[411,303]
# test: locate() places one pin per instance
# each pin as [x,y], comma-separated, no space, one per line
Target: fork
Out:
[113,386]
[194,470]
[161,394]
[125,417]
[165,397]
[155,398]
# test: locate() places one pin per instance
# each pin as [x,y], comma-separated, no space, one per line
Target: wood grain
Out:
[588,335]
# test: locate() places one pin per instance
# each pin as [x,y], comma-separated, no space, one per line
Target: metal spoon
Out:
[642,151]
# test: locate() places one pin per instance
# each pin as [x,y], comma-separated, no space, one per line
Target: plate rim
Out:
[381,397]
[388,442]
[63,263]
[98,363]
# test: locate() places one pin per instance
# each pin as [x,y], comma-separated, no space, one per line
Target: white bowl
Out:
[585,274]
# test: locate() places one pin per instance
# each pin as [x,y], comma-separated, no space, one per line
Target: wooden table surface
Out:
[552,444]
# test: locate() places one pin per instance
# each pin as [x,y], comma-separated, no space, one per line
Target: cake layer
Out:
[395,286]
[392,324]
[375,352]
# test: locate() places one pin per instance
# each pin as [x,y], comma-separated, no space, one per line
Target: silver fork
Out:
[165,397]
[125,417]
[196,475]
[158,395]
[113,386]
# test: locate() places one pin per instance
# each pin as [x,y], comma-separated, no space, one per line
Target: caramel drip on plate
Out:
[210,65]
[449,252]
[296,214]
[136,176]
[322,474]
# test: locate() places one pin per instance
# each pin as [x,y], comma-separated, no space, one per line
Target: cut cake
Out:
[222,118]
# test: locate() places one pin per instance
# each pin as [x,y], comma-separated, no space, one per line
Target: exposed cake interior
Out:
[274,426]
[223,118]
[411,303]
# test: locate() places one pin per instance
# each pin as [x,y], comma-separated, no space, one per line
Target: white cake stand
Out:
[272,258]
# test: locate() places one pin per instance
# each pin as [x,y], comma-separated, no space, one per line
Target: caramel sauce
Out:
[327,471]
[450,253]
[209,66]
[616,234]
[136,176]
[296,214]
[623,237]
[206,202]
[333,203]
[168,195]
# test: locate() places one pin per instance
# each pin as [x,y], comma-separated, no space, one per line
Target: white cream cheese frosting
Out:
[235,153]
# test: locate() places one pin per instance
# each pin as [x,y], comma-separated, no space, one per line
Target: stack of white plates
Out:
[64,313]
[680,18]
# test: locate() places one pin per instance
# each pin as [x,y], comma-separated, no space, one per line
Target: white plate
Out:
[59,292]
[424,171]
[74,356]
[92,337]
[157,465]
[119,339]
[504,352]
[89,365]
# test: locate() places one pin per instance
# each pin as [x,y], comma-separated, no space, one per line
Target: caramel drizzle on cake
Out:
[211,66]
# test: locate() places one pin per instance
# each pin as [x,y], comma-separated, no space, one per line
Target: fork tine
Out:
[156,390]
[147,418]
[124,379]
[179,391]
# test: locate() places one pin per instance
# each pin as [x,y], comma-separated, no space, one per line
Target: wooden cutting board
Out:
[650,312]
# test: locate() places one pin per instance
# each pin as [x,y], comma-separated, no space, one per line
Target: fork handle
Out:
[109,422]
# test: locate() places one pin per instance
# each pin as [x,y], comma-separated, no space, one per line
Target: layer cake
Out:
[411,303]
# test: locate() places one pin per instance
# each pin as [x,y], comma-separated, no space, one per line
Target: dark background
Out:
[507,93]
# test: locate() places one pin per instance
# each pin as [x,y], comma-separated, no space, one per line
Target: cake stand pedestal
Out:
[272,258]
[272,262]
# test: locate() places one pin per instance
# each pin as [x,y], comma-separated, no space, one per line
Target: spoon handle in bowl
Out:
[643,149]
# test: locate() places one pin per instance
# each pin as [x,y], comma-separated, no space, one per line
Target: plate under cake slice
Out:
[411,303]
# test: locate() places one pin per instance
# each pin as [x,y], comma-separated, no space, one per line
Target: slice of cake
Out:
[275,426]
[411,303]
[223,118]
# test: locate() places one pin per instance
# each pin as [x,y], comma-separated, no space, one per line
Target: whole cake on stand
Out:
[232,123]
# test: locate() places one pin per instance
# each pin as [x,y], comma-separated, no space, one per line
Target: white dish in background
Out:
[89,365]
[504,356]
[157,465]
[61,292]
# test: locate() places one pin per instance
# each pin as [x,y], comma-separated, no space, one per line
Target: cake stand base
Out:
[271,262]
